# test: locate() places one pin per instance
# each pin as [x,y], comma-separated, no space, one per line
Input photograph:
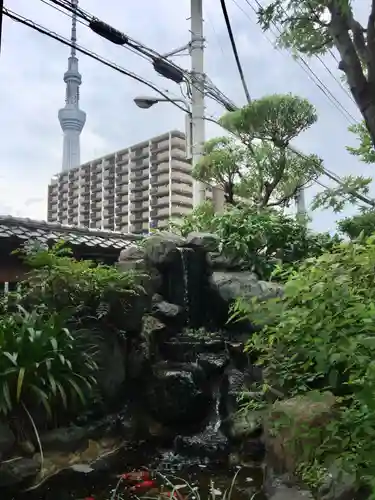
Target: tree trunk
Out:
[361,88]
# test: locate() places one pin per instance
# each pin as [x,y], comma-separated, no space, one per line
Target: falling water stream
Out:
[184,252]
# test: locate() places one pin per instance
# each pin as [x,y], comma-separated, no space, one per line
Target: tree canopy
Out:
[314,27]
[256,163]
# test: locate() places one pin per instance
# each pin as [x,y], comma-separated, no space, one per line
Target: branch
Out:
[270,186]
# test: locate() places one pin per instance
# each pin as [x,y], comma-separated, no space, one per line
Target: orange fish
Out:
[136,476]
[143,486]
[175,495]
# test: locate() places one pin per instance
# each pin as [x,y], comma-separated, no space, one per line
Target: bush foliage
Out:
[48,329]
[321,336]
[42,363]
[259,239]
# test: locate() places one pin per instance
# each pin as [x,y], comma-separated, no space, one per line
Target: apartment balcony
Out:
[139,218]
[139,208]
[139,185]
[122,201]
[122,179]
[140,175]
[159,191]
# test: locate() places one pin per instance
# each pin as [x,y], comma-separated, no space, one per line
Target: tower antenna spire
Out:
[72,119]
[74,29]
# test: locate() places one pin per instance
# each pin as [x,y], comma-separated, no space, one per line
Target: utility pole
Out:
[301,203]
[1,22]
[197,91]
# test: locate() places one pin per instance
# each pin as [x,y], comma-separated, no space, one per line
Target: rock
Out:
[210,443]
[212,363]
[244,425]
[168,313]
[341,486]
[226,287]
[151,327]
[132,252]
[186,348]
[146,346]
[132,258]
[283,487]
[18,470]
[178,393]
[111,357]
[7,439]
[159,246]
[232,386]
[231,285]
[67,439]
[293,429]
[208,241]
[291,493]
[220,262]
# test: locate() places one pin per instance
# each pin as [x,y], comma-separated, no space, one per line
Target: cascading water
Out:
[185,282]
[210,442]
[184,254]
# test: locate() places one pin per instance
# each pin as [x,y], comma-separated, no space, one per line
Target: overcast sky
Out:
[32,90]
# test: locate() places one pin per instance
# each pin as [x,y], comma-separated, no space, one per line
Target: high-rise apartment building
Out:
[133,190]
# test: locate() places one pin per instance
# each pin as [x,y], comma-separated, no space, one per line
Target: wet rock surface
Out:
[178,393]
[18,470]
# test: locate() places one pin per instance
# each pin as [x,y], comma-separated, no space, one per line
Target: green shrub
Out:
[42,363]
[259,239]
[80,290]
[361,223]
[322,336]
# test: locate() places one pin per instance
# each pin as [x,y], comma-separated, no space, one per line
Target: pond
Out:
[165,466]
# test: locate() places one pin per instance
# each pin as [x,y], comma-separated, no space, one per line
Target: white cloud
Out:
[32,90]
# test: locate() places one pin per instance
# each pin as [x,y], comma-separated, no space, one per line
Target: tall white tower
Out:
[71,118]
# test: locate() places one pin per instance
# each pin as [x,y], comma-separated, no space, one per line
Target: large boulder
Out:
[227,286]
[293,429]
[340,485]
[208,241]
[178,393]
[134,258]
[231,285]
[111,358]
[159,246]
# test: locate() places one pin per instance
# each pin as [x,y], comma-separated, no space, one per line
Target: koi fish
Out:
[143,486]
[136,476]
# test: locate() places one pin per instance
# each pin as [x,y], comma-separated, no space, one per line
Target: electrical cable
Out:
[234,49]
[44,31]
[327,172]
[130,44]
[31,24]
[80,21]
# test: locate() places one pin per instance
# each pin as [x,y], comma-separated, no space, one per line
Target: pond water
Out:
[198,473]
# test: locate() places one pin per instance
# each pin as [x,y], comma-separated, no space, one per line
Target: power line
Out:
[234,48]
[62,11]
[124,40]
[44,31]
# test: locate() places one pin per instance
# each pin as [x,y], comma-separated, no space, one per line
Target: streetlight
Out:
[146,102]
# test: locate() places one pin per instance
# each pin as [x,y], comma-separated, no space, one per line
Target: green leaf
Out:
[20,379]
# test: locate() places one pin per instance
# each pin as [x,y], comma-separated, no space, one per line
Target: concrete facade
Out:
[133,190]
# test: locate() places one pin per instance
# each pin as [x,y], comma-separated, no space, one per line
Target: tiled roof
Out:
[41,231]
